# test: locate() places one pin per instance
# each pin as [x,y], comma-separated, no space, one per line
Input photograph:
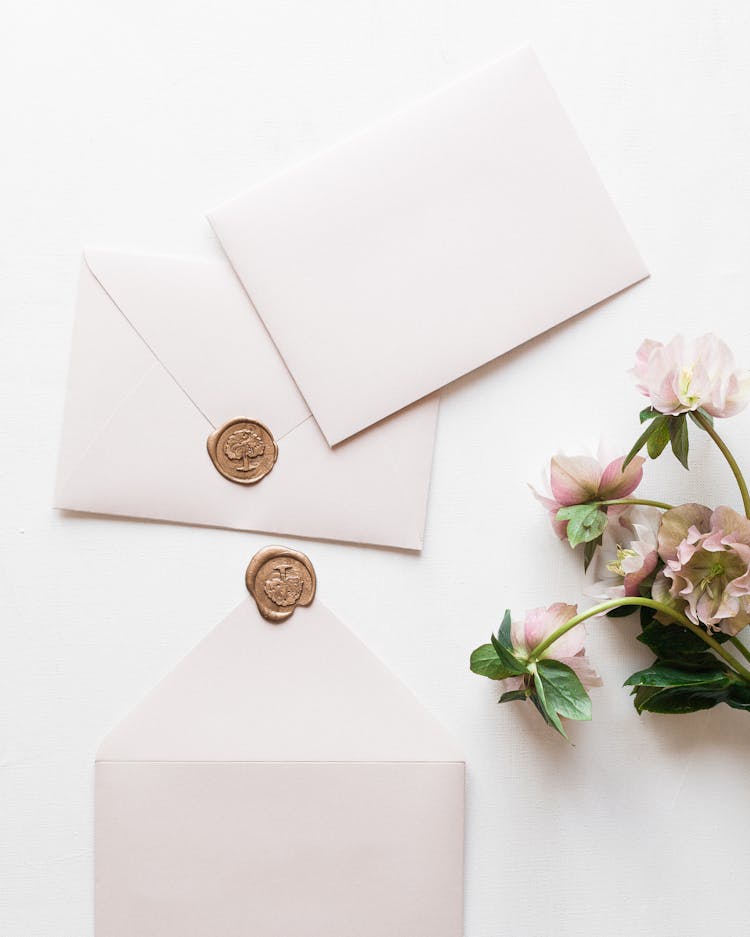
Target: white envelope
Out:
[424,247]
[279,782]
[165,350]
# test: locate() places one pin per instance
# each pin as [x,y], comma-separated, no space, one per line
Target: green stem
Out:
[652,504]
[740,647]
[647,603]
[703,421]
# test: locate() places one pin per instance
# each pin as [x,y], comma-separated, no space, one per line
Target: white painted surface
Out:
[120,126]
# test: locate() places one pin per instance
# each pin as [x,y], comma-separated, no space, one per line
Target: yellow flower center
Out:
[616,565]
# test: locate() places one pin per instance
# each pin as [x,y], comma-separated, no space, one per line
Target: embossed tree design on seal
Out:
[243,451]
[245,445]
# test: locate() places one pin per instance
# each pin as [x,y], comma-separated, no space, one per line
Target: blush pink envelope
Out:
[165,350]
[424,247]
[279,782]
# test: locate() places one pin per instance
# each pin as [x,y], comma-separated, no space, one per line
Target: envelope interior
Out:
[290,773]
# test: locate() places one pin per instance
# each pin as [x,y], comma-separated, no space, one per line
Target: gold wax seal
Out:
[242,450]
[279,580]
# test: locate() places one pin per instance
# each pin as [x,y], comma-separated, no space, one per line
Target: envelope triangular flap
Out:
[305,690]
[107,358]
[199,323]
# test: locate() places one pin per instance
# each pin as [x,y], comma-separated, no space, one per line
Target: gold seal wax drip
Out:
[279,580]
[243,450]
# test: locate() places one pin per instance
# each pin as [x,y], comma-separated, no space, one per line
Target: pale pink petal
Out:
[633,580]
[615,483]
[552,507]
[574,479]
[583,670]
[675,525]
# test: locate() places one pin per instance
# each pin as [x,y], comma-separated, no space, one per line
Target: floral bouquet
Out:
[686,567]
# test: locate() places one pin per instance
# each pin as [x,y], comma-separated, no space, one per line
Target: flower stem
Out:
[740,647]
[652,504]
[703,421]
[647,603]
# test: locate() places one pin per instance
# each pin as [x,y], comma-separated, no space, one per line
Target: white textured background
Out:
[122,123]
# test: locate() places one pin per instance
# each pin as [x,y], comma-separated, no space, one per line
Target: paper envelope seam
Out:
[146,342]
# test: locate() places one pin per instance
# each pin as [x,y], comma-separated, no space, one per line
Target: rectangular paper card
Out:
[433,242]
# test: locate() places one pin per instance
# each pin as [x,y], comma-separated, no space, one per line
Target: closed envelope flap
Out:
[304,690]
[199,324]
[166,349]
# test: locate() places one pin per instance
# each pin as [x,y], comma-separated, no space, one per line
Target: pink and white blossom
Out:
[581,479]
[628,554]
[687,375]
[707,566]
[538,624]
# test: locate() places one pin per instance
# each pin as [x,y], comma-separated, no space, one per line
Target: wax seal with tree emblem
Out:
[242,450]
[279,580]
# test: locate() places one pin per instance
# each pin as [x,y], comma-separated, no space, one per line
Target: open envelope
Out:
[279,782]
[165,351]
[428,245]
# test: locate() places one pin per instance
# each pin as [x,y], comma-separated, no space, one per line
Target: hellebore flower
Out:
[628,554]
[582,479]
[707,571]
[688,375]
[540,623]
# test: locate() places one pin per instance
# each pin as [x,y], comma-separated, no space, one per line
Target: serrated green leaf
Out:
[586,522]
[679,700]
[503,634]
[659,437]
[665,675]
[674,644]
[563,690]
[511,663]
[739,697]
[486,663]
[513,695]
[678,434]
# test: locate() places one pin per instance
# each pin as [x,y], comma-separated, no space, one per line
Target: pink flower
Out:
[580,479]
[541,622]
[628,554]
[684,376]
[707,571]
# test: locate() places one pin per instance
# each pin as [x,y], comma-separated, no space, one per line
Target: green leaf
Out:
[678,700]
[586,522]
[665,675]
[486,663]
[648,414]
[659,437]
[550,716]
[563,690]
[638,445]
[739,697]
[678,434]
[513,695]
[676,645]
[622,611]
[503,634]
[511,663]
